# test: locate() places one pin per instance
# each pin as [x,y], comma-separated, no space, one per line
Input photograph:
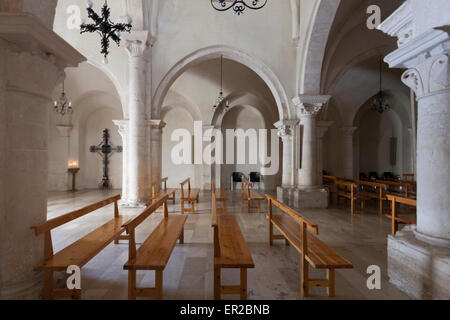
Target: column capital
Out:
[156,124]
[426,56]
[136,43]
[322,128]
[123,126]
[285,128]
[348,131]
[310,105]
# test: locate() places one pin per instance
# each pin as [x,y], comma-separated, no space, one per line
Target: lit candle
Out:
[73,164]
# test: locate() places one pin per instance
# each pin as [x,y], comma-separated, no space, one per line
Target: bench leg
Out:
[131,284]
[182,237]
[193,207]
[304,278]
[217,284]
[182,206]
[271,233]
[159,284]
[224,207]
[48,285]
[331,282]
[243,283]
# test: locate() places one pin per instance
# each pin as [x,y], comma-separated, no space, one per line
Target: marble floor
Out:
[189,273]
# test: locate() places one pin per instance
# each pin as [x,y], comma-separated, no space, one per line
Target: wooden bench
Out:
[294,230]
[156,189]
[250,195]
[396,220]
[191,196]
[373,190]
[230,252]
[221,196]
[81,251]
[349,191]
[155,252]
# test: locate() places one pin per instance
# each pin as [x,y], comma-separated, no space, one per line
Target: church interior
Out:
[224,149]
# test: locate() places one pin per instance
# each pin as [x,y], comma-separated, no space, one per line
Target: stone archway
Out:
[215,52]
[317,43]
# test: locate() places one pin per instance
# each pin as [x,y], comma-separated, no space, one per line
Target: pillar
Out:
[28,76]
[286,133]
[322,129]
[138,195]
[347,155]
[123,131]
[156,127]
[419,256]
[309,192]
[308,107]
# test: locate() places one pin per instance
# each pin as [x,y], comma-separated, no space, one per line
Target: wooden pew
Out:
[250,195]
[408,176]
[373,190]
[296,230]
[81,251]
[349,191]
[221,196]
[156,250]
[396,220]
[230,252]
[191,196]
[156,189]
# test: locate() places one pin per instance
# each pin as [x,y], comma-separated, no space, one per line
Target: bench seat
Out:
[83,250]
[254,195]
[319,255]
[155,252]
[234,252]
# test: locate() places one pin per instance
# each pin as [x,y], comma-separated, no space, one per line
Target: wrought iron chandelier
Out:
[238,5]
[103,26]
[63,106]
[220,98]
[379,103]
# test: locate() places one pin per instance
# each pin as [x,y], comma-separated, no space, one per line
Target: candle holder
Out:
[74,172]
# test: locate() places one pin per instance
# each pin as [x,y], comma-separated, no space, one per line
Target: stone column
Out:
[123,131]
[138,178]
[309,192]
[157,127]
[322,129]
[347,134]
[419,257]
[286,133]
[308,107]
[207,135]
[28,75]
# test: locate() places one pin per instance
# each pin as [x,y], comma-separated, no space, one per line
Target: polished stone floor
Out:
[189,273]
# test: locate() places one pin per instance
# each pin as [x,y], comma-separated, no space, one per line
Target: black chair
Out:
[373,176]
[255,177]
[363,176]
[390,176]
[236,177]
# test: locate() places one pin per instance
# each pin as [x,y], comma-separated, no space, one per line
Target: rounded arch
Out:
[318,39]
[215,52]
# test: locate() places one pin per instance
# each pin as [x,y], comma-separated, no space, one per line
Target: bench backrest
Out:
[61,220]
[188,182]
[305,224]
[156,187]
[402,200]
[46,227]
[131,226]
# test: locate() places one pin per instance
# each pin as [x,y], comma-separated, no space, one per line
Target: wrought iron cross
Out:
[103,25]
[105,149]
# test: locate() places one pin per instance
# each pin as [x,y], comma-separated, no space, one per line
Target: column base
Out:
[301,197]
[30,289]
[419,269]
[126,203]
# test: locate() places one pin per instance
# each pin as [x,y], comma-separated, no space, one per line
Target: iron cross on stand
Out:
[105,149]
